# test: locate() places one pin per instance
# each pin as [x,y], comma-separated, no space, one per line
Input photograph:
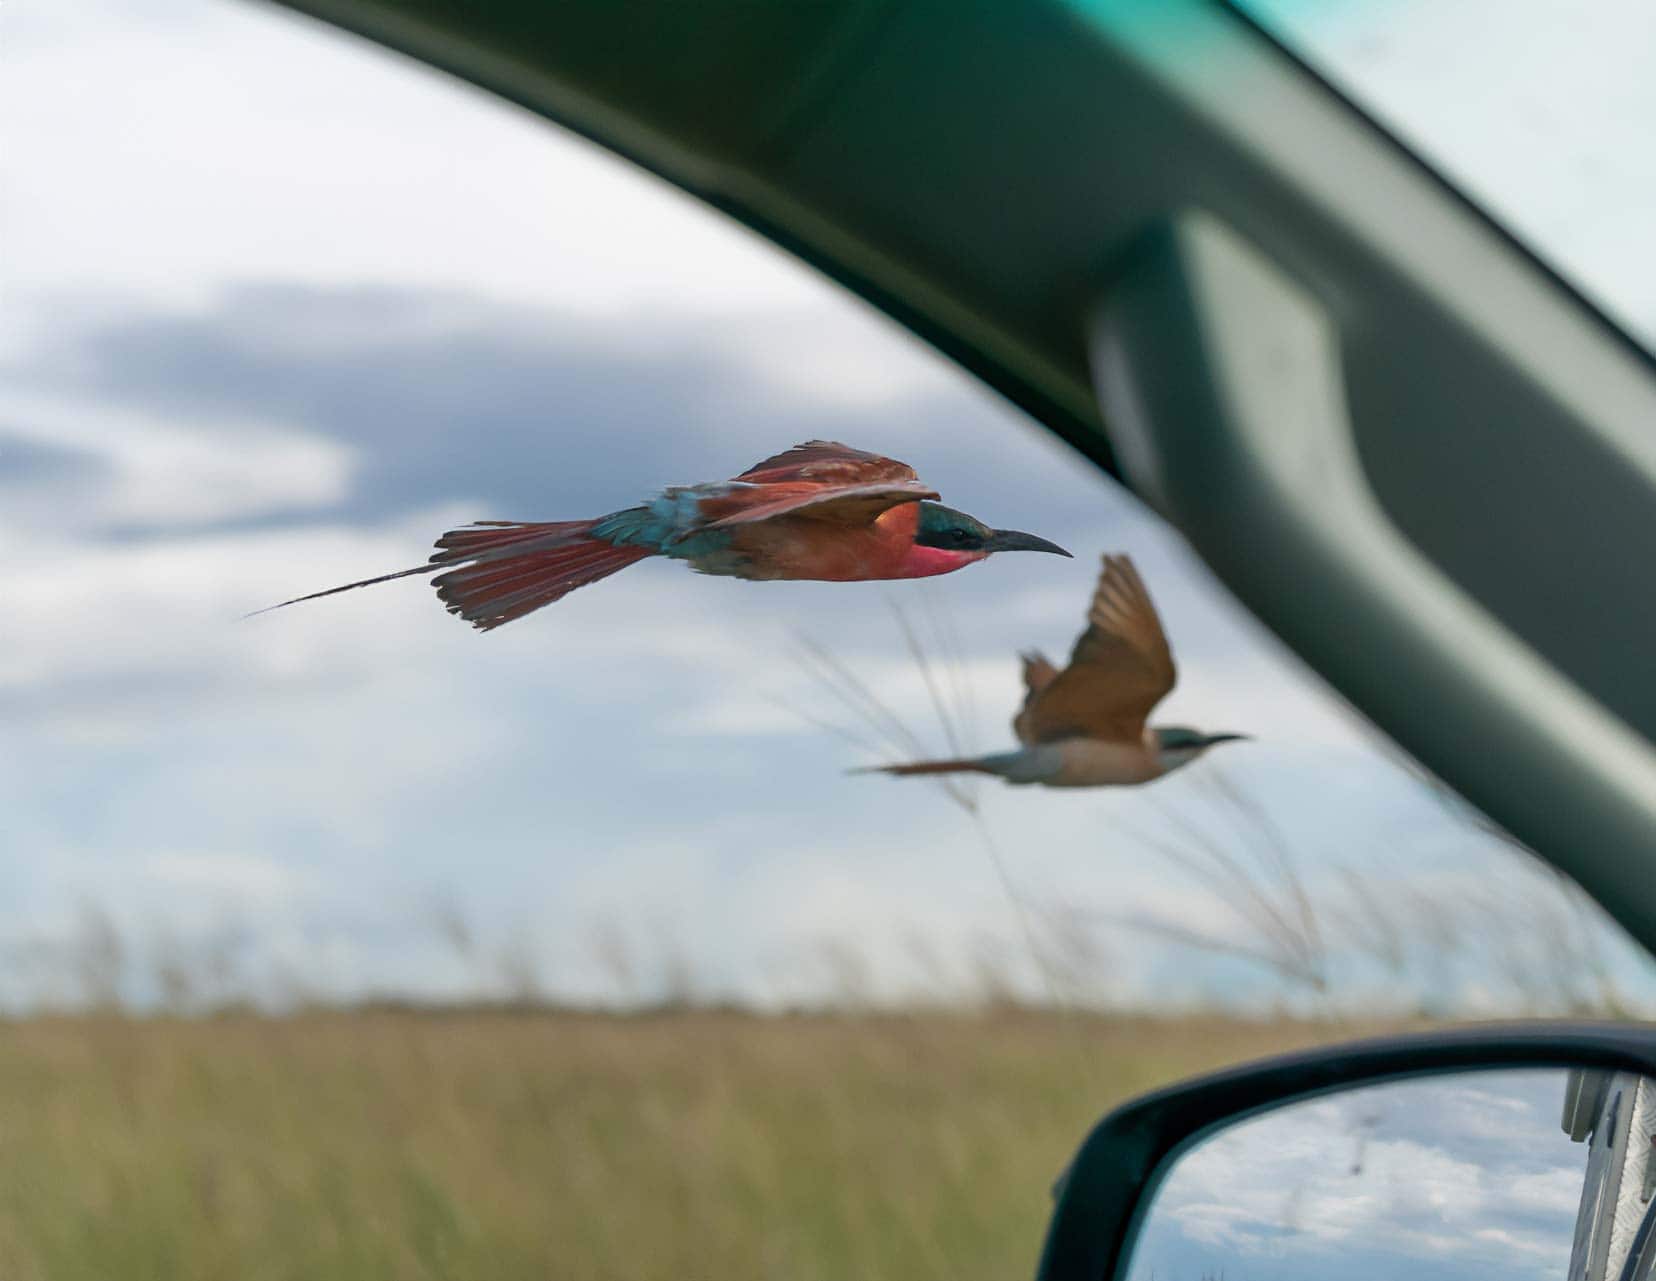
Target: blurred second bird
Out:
[1085,726]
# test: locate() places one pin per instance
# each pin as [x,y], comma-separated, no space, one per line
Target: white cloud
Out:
[239,877]
[1553,1192]
[158,472]
[101,612]
[173,148]
[856,358]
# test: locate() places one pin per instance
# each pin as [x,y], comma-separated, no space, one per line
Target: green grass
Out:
[498,1146]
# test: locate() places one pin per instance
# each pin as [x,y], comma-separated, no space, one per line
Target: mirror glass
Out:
[1543,1173]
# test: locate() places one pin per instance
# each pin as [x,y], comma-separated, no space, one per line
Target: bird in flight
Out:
[1085,726]
[820,511]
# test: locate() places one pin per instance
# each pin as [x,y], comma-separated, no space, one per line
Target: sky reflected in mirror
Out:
[1455,1178]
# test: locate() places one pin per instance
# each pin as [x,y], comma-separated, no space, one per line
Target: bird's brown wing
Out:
[1120,669]
[826,462]
[820,480]
[1038,673]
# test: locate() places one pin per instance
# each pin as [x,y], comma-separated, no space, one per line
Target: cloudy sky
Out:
[1453,1178]
[280,307]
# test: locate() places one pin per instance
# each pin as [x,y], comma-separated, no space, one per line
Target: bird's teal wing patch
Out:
[664,522]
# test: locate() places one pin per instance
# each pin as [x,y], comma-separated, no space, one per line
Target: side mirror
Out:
[1459,1156]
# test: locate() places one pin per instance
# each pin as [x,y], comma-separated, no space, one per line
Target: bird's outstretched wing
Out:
[1120,669]
[819,480]
[1038,673]
[826,462]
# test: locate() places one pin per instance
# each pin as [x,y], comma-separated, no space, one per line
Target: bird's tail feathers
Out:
[958,766]
[495,571]
[489,593]
[492,539]
[363,582]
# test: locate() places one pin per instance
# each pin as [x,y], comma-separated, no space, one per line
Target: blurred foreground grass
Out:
[503,1146]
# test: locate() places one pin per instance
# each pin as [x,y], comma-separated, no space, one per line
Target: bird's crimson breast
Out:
[927,562]
[803,548]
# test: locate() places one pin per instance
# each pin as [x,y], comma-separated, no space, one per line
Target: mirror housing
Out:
[1104,1195]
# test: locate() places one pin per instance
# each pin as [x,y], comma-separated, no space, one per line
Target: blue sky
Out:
[281,307]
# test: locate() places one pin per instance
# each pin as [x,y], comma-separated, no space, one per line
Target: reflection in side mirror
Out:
[1460,1176]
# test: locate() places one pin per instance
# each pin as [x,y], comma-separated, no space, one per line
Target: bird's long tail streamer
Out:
[496,571]
[960,766]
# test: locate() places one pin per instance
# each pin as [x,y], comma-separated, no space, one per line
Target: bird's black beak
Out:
[1012,540]
[1227,738]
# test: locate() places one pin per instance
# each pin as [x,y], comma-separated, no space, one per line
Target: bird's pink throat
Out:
[927,562]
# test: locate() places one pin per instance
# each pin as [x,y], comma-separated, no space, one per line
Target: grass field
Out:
[503,1146]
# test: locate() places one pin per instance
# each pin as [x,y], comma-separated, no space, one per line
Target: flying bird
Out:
[820,511]
[1085,726]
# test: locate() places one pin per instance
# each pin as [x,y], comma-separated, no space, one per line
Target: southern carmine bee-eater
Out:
[1085,726]
[821,511]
